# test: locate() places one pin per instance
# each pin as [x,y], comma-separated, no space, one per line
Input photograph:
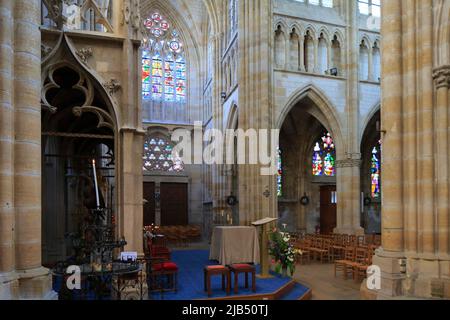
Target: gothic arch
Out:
[325,109]
[232,119]
[280,23]
[375,108]
[366,40]
[326,34]
[442,33]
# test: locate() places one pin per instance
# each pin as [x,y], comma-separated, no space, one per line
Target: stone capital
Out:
[441,76]
[348,163]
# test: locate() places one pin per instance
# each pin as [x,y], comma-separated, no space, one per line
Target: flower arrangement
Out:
[282,251]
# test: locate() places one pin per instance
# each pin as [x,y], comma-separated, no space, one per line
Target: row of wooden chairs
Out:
[356,261]
[180,235]
[328,248]
[350,254]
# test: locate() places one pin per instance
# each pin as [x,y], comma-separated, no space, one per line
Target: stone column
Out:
[329,62]
[442,83]
[7,275]
[348,196]
[218,179]
[131,189]
[302,54]
[349,157]
[34,280]
[316,55]
[370,62]
[392,174]
[257,193]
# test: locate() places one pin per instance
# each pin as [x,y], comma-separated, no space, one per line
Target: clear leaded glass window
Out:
[163,62]
[159,155]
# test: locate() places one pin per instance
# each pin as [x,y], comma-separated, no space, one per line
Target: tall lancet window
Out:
[163,62]
[279,173]
[323,158]
[375,172]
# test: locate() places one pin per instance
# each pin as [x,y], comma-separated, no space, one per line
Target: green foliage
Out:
[282,251]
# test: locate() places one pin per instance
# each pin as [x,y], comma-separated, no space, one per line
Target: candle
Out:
[95,184]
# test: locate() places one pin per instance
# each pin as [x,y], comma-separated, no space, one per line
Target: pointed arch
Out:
[375,108]
[325,110]
[442,33]
[232,119]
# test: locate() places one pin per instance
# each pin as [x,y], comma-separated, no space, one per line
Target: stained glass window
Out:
[279,174]
[163,63]
[159,156]
[375,172]
[323,158]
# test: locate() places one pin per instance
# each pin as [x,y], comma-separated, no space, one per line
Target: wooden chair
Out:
[157,271]
[360,270]
[342,265]
[337,249]
[360,261]
[305,256]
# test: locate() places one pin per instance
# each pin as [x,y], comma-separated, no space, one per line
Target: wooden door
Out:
[149,204]
[328,200]
[174,204]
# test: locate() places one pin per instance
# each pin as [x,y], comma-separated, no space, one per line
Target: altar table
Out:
[234,245]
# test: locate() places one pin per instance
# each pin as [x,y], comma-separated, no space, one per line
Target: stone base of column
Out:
[392,276]
[36,284]
[349,230]
[9,286]
[427,277]
[366,293]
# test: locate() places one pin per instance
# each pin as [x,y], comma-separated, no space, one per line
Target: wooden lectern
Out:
[264,223]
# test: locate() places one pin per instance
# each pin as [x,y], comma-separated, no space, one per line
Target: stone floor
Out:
[320,278]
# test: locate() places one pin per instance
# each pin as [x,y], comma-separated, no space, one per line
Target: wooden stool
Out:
[243,268]
[217,270]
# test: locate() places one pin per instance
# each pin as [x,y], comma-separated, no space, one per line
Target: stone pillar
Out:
[131,189]
[218,179]
[257,193]
[370,62]
[35,281]
[302,54]
[8,278]
[349,157]
[329,54]
[131,136]
[442,83]
[316,55]
[348,196]
[387,258]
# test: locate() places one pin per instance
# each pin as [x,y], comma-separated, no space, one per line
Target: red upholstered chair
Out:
[209,271]
[158,251]
[158,270]
[243,268]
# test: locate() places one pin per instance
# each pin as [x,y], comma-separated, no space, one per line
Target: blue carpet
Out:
[191,285]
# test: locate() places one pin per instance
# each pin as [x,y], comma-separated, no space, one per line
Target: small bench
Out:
[210,271]
[243,268]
